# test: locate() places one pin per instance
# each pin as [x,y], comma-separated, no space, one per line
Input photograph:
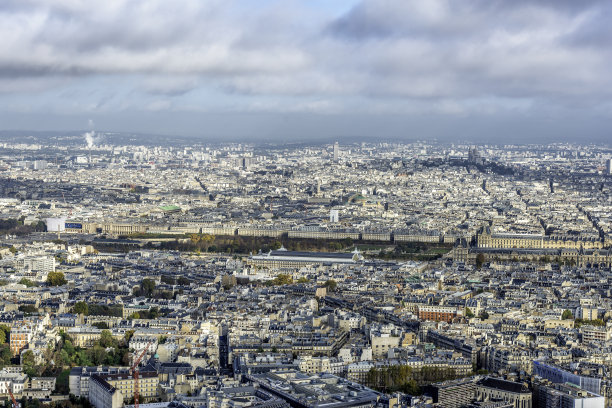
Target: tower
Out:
[336,151]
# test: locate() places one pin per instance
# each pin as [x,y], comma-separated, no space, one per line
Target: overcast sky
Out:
[485,70]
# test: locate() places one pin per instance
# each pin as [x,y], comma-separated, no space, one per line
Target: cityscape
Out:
[305,204]
[365,274]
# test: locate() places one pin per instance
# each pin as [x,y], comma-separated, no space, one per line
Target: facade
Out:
[21,335]
[84,336]
[486,239]
[439,313]
[104,395]
[489,389]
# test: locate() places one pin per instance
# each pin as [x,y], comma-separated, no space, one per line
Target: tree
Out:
[169,280]
[5,355]
[128,335]
[106,338]
[27,282]
[28,362]
[147,286]
[81,308]
[567,314]
[28,309]
[282,279]
[4,332]
[480,258]
[484,315]
[469,313]
[183,281]
[331,285]
[56,279]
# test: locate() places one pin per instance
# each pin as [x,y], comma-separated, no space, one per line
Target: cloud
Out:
[454,58]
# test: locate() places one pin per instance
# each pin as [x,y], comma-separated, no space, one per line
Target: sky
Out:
[483,70]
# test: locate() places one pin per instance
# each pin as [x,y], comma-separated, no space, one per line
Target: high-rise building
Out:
[609,166]
[336,151]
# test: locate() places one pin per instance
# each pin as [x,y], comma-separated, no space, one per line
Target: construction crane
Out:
[15,404]
[136,371]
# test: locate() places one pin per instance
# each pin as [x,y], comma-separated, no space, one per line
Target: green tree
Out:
[480,258]
[567,314]
[147,286]
[28,309]
[28,282]
[183,281]
[128,335]
[4,332]
[56,279]
[28,362]
[282,279]
[331,285]
[484,315]
[5,355]
[81,308]
[68,347]
[106,338]
[469,313]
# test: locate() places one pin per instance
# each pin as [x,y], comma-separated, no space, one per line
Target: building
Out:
[44,264]
[21,335]
[439,313]
[452,394]
[489,389]
[315,390]
[566,396]
[104,395]
[587,311]
[78,379]
[85,337]
[287,259]
[13,380]
[336,151]
[485,239]
[558,375]
[105,390]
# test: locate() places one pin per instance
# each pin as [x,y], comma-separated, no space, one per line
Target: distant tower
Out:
[336,151]
[609,166]
[318,186]
[334,216]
